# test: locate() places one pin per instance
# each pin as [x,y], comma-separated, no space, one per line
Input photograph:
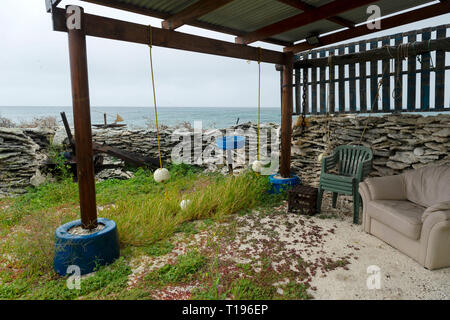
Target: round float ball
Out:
[257,166]
[161,175]
[184,204]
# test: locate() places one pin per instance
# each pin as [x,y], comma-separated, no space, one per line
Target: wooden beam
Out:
[82,124]
[165,15]
[194,11]
[286,118]
[386,52]
[323,12]
[386,23]
[108,28]
[299,4]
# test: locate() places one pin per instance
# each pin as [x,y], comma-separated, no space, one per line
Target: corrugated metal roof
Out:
[250,15]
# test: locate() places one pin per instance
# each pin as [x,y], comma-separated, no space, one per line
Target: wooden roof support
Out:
[82,124]
[108,28]
[193,12]
[379,54]
[386,23]
[194,23]
[299,4]
[323,12]
[286,117]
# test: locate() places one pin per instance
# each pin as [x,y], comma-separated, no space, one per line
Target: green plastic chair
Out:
[342,172]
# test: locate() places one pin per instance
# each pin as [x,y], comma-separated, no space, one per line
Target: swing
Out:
[258,165]
[160,175]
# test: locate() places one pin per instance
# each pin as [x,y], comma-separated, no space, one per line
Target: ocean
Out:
[141,117]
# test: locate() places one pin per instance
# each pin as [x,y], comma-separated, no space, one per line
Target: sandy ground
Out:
[331,255]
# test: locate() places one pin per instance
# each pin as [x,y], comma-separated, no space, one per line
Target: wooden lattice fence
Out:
[410,82]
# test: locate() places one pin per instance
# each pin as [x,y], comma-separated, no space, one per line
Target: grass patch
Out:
[186,267]
[159,249]
[145,219]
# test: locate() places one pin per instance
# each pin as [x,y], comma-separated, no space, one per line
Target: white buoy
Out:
[184,204]
[257,166]
[161,175]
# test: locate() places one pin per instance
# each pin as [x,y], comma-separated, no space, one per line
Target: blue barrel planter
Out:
[279,184]
[85,251]
[230,142]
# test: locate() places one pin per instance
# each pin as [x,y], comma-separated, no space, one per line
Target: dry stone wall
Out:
[399,142]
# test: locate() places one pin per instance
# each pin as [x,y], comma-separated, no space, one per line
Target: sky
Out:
[34,68]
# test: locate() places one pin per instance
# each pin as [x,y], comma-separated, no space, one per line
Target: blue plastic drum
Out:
[85,251]
[230,142]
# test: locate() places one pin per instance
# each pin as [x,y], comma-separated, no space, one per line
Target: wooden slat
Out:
[306,97]
[323,95]
[412,77]
[373,79]
[386,23]
[341,83]
[332,89]
[323,12]
[352,82]
[298,85]
[113,29]
[362,81]
[386,81]
[398,79]
[192,12]
[425,76]
[299,4]
[440,72]
[313,87]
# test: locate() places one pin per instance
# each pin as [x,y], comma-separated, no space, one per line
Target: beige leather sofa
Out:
[411,212]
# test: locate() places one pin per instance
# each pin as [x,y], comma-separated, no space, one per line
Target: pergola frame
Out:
[103,27]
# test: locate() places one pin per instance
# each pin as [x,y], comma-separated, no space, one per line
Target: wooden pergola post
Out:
[286,116]
[82,123]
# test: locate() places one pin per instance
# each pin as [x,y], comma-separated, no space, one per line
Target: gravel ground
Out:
[327,252]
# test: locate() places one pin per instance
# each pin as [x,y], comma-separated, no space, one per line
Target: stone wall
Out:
[399,142]
[22,152]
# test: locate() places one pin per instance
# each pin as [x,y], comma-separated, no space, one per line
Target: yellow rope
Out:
[166,193]
[154,97]
[259,96]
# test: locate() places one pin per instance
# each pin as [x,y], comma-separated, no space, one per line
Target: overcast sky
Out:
[34,68]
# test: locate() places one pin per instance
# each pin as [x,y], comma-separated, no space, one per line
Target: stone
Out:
[444,133]
[405,157]
[396,165]
[419,152]
[38,179]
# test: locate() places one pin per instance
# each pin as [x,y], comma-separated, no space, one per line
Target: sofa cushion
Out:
[402,216]
[428,185]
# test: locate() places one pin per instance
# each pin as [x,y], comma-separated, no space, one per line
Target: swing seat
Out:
[342,172]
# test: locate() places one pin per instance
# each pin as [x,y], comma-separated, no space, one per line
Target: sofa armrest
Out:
[442,207]
[386,188]
[435,240]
